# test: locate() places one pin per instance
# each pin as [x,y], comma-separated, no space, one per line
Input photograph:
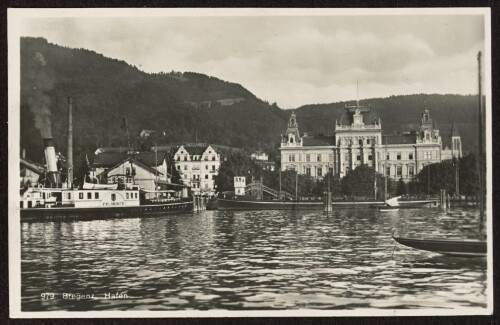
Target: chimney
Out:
[69,158]
[50,158]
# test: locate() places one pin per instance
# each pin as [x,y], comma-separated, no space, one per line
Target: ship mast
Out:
[480,148]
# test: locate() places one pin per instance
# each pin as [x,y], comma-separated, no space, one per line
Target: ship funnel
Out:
[50,158]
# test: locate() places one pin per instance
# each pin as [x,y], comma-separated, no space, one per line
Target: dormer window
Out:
[291,139]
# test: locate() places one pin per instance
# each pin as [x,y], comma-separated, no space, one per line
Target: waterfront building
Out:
[262,159]
[148,169]
[358,140]
[198,164]
[260,156]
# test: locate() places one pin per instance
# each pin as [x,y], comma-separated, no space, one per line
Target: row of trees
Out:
[361,182]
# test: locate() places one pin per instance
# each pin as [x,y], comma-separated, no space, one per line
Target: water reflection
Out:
[251,260]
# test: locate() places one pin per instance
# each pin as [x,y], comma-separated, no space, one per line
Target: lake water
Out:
[250,260]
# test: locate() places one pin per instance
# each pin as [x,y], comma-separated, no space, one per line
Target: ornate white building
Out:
[198,164]
[358,140]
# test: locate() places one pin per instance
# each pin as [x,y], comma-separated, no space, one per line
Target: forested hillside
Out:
[182,106]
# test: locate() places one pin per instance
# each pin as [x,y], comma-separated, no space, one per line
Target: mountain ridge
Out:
[183,106]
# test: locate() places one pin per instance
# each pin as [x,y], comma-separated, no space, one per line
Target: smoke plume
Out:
[39,82]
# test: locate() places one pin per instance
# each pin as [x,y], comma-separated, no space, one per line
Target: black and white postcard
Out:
[249,162]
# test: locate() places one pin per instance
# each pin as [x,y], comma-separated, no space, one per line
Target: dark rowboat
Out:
[463,248]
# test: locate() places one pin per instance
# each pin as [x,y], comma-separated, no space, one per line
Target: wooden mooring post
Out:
[327,202]
[199,203]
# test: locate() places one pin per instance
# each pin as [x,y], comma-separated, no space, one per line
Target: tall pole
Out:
[280,182]
[480,156]
[457,169]
[297,186]
[428,179]
[385,171]
[70,144]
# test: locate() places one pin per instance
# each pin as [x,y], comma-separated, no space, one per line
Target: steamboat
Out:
[52,199]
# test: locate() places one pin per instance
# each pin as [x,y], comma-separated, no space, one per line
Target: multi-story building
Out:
[358,140]
[198,164]
[147,168]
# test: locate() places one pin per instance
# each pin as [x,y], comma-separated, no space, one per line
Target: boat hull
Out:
[228,204]
[468,248]
[71,213]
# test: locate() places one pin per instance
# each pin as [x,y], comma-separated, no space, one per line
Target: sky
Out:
[291,60]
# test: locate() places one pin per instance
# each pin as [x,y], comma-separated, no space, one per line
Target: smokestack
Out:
[50,158]
[69,160]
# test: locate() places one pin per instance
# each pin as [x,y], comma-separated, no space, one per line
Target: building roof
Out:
[195,150]
[317,141]
[400,139]
[133,161]
[109,159]
[347,116]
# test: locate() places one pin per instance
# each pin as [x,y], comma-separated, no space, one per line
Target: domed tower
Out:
[292,136]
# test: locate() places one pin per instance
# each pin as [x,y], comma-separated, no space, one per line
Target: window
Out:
[80,196]
[133,171]
[319,171]
[291,157]
[308,157]
[213,158]
[206,176]
[213,177]
[358,157]
[410,156]
[330,156]
[206,167]
[96,195]
[185,167]
[69,196]
[308,171]
[360,142]
[370,157]
[291,139]
[427,155]
[213,168]
[113,197]
[127,171]
[388,157]
[126,195]
[367,141]
[346,157]
[399,171]
[427,136]
[398,157]
[411,171]
[318,157]
[330,170]
[388,171]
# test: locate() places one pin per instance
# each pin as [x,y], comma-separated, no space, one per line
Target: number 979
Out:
[47,296]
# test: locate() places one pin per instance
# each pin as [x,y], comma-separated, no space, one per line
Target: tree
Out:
[176,176]
[401,190]
[236,164]
[361,182]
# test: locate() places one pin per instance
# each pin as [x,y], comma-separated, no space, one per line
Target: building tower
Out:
[292,136]
[456,142]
